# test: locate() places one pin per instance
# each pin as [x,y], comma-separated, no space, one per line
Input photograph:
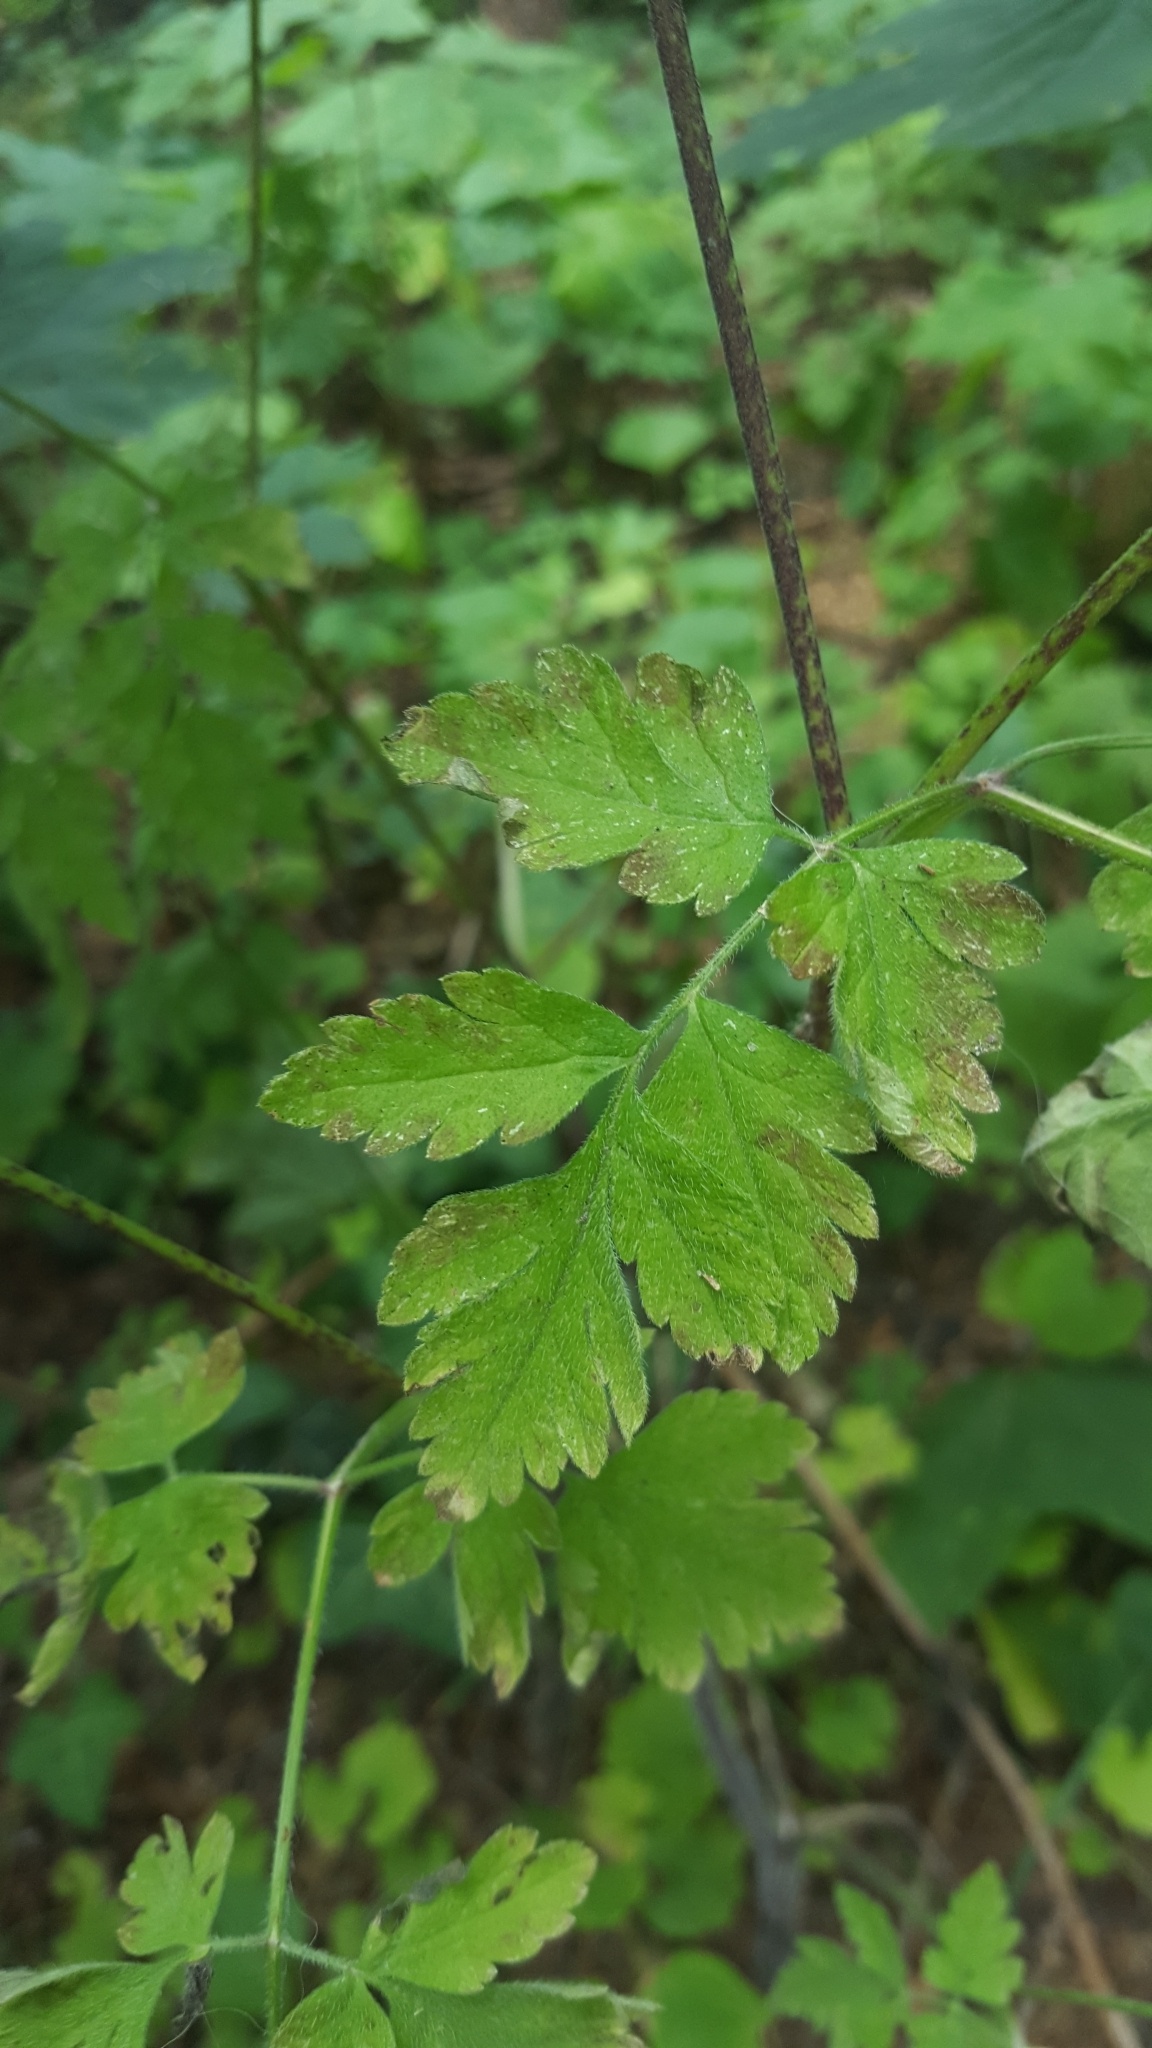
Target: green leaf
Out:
[1091,1151]
[874,1938]
[837,1994]
[673,1545]
[499,1583]
[502,1054]
[1047,1281]
[384,1780]
[23,1557]
[90,2005]
[676,777]
[910,933]
[960,2027]
[534,1335]
[342,2014]
[975,1956]
[1121,1778]
[702,1999]
[1121,897]
[68,1753]
[510,2016]
[174,1896]
[851,1726]
[511,1899]
[80,1497]
[182,1546]
[407,1538]
[726,1194]
[148,1415]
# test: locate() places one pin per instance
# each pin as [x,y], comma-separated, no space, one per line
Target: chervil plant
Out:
[705,1190]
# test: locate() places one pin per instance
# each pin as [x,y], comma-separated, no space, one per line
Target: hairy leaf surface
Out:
[673,1544]
[512,1898]
[910,933]
[1091,1150]
[92,2005]
[174,1894]
[1121,896]
[534,1344]
[510,2016]
[148,1415]
[502,1054]
[675,777]
[342,2014]
[499,1583]
[734,1206]
[182,1546]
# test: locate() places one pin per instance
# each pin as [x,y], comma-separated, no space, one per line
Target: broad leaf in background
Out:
[534,1336]
[673,1545]
[911,933]
[701,1998]
[174,1895]
[997,74]
[502,1054]
[342,2014]
[676,777]
[510,2016]
[1048,1281]
[499,1583]
[384,1780]
[733,1210]
[1091,1151]
[67,1753]
[1121,896]
[181,1547]
[149,1414]
[512,1898]
[80,1497]
[976,1940]
[91,2005]
[407,1538]
[23,1557]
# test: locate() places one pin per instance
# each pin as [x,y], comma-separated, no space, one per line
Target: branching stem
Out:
[682,86]
[72,1204]
[1098,600]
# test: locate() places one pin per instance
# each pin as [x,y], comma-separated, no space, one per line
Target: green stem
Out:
[1089,743]
[1098,600]
[254,282]
[57,431]
[72,1204]
[682,86]
[382,1465]
[1055,1994]
[1014,803]
[703,977]
[277,1482]
[942,804]
[278,1893]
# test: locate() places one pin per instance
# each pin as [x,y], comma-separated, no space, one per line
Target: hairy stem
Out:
[1014,803]
[1098,600]
[254,283]
[279,1884]
[72,1204]
[1087,743]
[670,33]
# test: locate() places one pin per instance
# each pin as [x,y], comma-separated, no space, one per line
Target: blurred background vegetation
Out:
[493,418]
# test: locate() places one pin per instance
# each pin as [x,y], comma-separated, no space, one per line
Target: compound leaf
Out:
[499,1583]
[89,2005]
[533,1337]
[726,1193]
[148,1415]
[1091,1150]
[838,1995]
[1121,896]
[510,2016]
[407,1538]
[502,1054]
[182,1545]
[675,777]
[975,1954]
[511,1899]
[673,1544]
[910,933]
[342,2014]
[174,1895]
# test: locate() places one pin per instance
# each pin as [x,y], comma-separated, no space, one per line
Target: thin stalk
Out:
[278,1892]
[72,1204]
[277,1482]
[254,289]
[1015,803]
[670,33]
[57,431]
[1098,600]
[938,804]
[1089,743]
[1056,1995]
[381,1465]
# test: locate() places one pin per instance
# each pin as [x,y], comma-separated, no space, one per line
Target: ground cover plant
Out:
[522,911]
